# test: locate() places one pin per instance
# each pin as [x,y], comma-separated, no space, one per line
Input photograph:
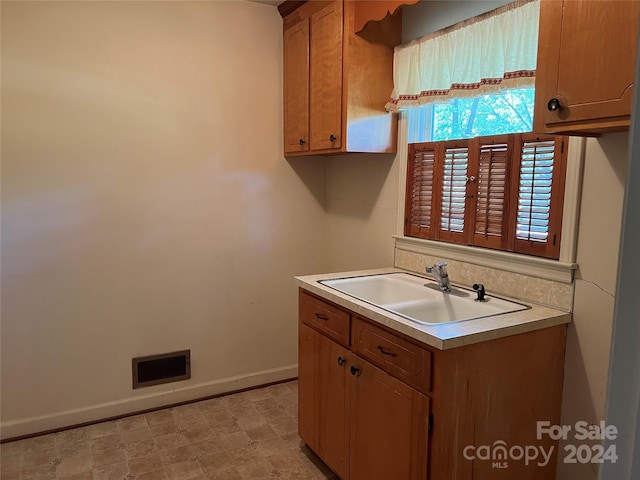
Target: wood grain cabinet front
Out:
[363,423]
[586,65]
[386,407]
[395,355]
[337,81]
[325,317]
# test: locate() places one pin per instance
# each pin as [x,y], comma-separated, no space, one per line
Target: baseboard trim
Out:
[57,421]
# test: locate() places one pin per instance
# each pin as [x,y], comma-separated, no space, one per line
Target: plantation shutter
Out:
[540,187]
[453,192]
[419,218]
[504,192]
[491,180]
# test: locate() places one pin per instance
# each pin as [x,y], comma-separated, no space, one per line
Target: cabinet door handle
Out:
[302,142]
[355,371]
[332,137]
[320,316]
[341,361]
[386,352]
[553,105]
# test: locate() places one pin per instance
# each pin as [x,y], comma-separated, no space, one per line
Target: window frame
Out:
[506,240]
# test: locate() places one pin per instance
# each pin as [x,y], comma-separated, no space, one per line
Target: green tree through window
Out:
[510,111]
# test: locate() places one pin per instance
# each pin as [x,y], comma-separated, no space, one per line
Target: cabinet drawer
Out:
[325,318]
[402,359]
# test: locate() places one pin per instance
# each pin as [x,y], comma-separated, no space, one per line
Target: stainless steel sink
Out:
[418,299]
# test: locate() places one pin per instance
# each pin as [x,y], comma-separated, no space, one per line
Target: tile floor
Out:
[249,435]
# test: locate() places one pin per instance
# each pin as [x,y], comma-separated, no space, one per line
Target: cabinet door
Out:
[586,59]
[326,77]
[323,399]
[389,426]
[296,87]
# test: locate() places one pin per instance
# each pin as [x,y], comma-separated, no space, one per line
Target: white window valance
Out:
[496,51]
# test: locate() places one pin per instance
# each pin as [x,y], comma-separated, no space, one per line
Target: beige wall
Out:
[146,205]
[589,336]
[362,210]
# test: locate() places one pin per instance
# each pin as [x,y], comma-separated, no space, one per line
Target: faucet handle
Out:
[441,267]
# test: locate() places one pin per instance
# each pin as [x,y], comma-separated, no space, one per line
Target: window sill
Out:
[507,261]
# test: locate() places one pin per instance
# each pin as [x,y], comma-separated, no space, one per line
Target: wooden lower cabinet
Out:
[389,426]
[377,405]
[363,423]
[323,399]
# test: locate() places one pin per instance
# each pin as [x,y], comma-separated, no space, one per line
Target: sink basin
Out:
[384,289]
[419,299]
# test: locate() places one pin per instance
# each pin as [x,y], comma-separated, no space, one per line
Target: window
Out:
[503,192]
[509,111]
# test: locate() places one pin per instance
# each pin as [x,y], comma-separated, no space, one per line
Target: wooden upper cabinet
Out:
[296,86]
[375,10]
[326,77]
[586,65]
[337,81]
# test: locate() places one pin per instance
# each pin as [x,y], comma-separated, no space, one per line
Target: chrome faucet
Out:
[439,273]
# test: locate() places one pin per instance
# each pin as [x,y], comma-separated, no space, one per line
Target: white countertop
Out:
[442,336]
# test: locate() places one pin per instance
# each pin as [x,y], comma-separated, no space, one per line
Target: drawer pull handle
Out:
[386,352]
[355,371]
[320,316]
[341,361]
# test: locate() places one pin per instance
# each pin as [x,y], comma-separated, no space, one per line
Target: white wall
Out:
[362,211]
[146,205]
[589,335]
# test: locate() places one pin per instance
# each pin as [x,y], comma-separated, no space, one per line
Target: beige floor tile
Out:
[252,421]
[229,473]
[256,469]
[183,471]
[262,432]
[235,440]
[108,456]
[39,444]
[247,436]
[285,460]
[70,448]
[145,464]
[101,429]
[170,440]
[36,459]
[139,449]
[11,449]
[10,466]
[161,416]
[115,471]
[277,390]
[271,446]
[131,423]
[131,436]
[198,433]
[106,442]
[163,428]
[71,466]
[242,456]
[43,472]
[215,462]
[155,475]
[206,447]
[176,455]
